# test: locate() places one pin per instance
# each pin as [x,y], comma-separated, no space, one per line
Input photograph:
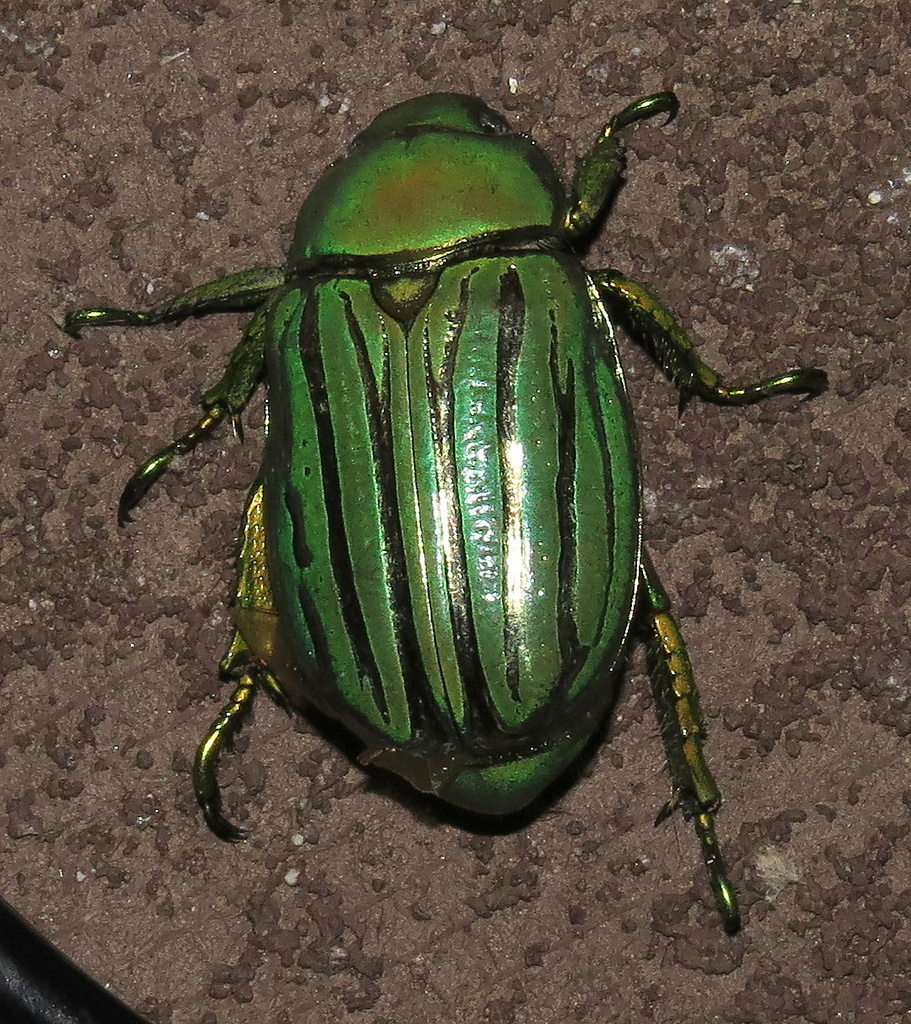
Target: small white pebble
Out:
[292,876]
[875,197]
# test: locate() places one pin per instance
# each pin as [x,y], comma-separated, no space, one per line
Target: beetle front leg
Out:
[234,293]
[695,791]
[656,328]
[600,171]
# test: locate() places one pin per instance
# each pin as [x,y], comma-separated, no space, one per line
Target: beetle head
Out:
[440,111]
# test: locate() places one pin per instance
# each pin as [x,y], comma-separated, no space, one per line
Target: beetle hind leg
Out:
[222,731]
[695,791]
[255,639]
[656,328]
[249,675]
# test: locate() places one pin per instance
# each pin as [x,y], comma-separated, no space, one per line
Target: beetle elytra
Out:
[442,550]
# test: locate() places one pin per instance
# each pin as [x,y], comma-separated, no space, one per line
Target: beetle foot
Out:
[703,819]
[74,321]
[647,106]
[722,890]
[806,382]
[205,767]
[219,824]
[149,472]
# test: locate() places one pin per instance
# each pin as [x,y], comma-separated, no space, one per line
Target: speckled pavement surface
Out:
[151,145]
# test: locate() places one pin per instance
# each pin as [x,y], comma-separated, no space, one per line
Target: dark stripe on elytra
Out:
[423,717]
[300,545]
[572,656]
[303,557]
[594,336]
[510,337]
[441,393]
[339,553]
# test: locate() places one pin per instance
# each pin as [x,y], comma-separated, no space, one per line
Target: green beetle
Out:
[442,550]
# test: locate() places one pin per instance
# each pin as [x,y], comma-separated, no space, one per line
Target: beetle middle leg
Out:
[597,179]
[656,328]
[227,399]
[249,289]
[695,791]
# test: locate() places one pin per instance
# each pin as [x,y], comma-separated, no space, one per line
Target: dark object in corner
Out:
[39,985]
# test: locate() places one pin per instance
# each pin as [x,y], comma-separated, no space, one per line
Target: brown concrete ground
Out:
[149,145]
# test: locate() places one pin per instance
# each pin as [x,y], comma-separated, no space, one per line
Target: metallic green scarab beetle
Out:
[442,550]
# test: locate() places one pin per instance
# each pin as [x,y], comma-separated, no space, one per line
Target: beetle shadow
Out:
[434,811]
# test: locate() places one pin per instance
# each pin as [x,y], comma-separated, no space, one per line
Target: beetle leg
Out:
[682,729]
[656,328]
[226,399]
[255,640]
[244,291]
[600,170]
[205,767]
[250,675]
[234,293]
